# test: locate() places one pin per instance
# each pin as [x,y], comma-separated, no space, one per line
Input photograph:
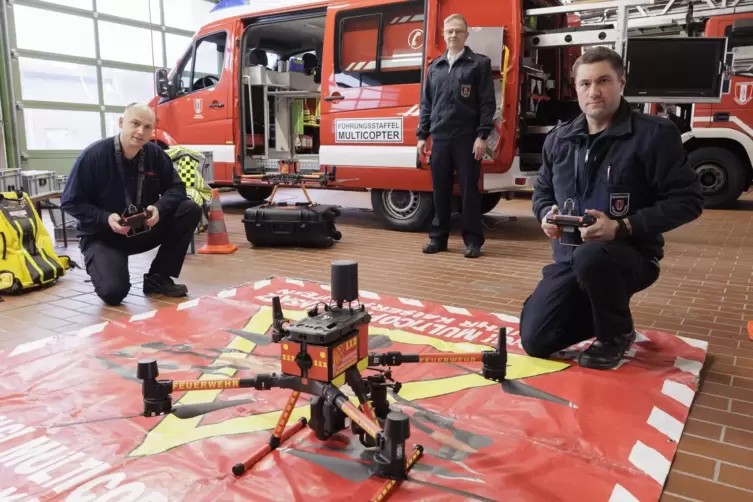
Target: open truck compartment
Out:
[547,93]
[280,93]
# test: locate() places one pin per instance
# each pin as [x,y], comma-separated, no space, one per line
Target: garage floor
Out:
[705,292]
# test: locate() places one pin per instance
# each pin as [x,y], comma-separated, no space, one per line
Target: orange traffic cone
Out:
[217,238]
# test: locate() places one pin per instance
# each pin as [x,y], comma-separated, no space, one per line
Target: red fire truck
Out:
[718,127]
[336,85]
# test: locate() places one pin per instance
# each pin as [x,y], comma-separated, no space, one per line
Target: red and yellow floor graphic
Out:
[70,427]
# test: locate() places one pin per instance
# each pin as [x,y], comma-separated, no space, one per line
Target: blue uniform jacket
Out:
[636,169]
[460,102]
[94,189]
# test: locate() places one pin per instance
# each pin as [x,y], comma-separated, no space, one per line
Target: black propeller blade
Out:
[251,337]
[519,388]
[195,410]
[180,411]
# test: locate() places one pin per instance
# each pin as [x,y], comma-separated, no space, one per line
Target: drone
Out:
[321,353]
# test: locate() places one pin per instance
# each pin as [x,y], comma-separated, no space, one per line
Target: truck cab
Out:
[336,86]
[719,136]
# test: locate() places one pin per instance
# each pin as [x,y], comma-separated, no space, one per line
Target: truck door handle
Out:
[334,97]
[216,105]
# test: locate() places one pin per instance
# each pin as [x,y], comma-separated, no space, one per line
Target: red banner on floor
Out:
[70,427]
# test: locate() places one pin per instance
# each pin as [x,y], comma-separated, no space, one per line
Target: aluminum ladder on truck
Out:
[667,17]
[613,32]
[535,124]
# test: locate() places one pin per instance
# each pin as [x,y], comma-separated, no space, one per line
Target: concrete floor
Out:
[705,292]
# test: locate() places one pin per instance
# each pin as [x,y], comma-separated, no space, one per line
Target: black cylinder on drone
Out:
[344,281]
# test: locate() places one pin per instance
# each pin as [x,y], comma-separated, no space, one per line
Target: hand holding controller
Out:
[565,227]
[570,221]
[137,220]
[135,223]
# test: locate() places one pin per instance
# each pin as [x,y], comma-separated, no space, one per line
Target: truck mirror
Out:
[742,27]
[163,86]
[318,75]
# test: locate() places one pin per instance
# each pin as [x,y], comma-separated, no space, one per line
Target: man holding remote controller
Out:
[128,199]
[628,174]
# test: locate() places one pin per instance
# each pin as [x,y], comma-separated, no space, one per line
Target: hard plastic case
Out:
[292,225]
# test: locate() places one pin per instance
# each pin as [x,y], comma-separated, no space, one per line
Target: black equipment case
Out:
[296,225]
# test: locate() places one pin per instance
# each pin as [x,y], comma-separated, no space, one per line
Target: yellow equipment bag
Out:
[27,256]
[188,163]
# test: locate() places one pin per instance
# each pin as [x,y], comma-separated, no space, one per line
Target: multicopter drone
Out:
[321,353]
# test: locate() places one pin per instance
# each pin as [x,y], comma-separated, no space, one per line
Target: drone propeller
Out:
[375,341]
[194,410]
[182,412]
[256,338]
[518,388]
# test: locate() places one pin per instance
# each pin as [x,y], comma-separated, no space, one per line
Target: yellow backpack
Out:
[27,257]
[188,163]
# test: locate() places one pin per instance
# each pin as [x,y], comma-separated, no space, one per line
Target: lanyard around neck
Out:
[120,167]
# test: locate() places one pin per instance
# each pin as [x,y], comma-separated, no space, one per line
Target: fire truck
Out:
[336,86]
[718,127]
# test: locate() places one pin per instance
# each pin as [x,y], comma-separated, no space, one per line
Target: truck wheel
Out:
[255,194]
[721,173]
[489,201]
[403,210]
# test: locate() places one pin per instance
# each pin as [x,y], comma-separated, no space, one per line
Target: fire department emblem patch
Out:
[619,204]
[465,90]
[743,93]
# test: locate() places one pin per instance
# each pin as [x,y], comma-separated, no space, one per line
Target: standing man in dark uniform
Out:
[630,172]
[457,111]
[104,182]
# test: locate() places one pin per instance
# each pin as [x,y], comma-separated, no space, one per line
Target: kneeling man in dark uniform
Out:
[123,175]
[629,171]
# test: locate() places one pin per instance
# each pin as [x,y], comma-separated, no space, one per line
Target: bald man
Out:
[102,187]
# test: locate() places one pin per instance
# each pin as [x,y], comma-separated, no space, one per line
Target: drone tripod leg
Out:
[279,436]
[391,484]
[353,377]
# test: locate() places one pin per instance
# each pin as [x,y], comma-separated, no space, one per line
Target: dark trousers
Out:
[448,157]
[590,298]
[106,258]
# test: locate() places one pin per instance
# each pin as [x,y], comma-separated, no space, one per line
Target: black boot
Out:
[434,246]
[603,355]
[155,283]
[472,251]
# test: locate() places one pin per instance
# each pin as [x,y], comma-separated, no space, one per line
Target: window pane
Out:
[56,81]
[60,129]
[210,54]
[185,75]
[122,87]
[127,44]
[112,123]
[187,14]
[176,45]
[133,9]
[79,4]
[63,33]
[402,48]
[358,48]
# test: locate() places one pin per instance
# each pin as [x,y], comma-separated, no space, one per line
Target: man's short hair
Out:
[457,17]
[599,54]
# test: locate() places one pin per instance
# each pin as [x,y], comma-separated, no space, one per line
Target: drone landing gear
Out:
[279,436]
[329,407]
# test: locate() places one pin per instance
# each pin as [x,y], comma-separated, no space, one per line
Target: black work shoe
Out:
[155,283]
[434,246]
[606,355]
[472,251]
